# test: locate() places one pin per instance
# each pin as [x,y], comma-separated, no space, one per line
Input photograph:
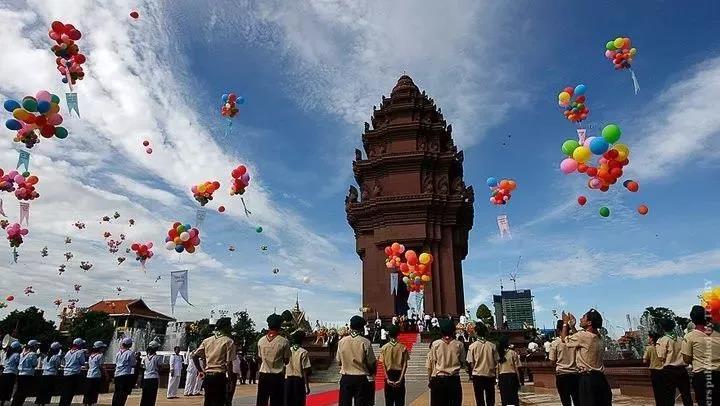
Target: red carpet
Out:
[331,397]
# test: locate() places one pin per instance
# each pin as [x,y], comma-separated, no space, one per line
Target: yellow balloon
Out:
[564,96]
[20,114]
[425,278]
[618,42]
[582,154]
[424,258]
[201,188]
[54,108]
[633,51]
[623,151]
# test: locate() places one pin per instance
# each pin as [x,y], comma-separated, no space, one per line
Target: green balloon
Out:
[604,211]
[30,104]
[55,99]
[26,174]
[611,133]
[569,146]
[258,229]
[610,46]
[61,132]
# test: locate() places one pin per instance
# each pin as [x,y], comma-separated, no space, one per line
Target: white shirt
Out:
[427,317]
[463,319]
[176,362]
[533,346]
[435,322]
[395,320]
[367,330]
[383,334]
[546,345]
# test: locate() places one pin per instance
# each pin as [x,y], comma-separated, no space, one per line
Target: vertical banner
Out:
[582,135]
[2,212]
[25,213]
[200,217]
[23,160]
[636,85]
[72,103]
[178,284]
[393,283]
[504,226]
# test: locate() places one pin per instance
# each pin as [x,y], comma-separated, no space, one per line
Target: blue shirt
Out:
[74,360]
[152,364]
[52,364]
[28,363]
[124,362]
[11,364]
[94,363]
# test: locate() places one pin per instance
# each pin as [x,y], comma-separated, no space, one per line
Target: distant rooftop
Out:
[127,307]
[513,294]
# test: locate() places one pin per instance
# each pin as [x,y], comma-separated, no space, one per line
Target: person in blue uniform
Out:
[50,367]
[151,376]
[10,371]
[94,373]
[72,379]
[26,372]
[124,372]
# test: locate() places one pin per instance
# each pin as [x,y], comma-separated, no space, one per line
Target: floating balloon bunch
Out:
[416,270]
[61,269]
[620,52]
[44,252]
[57,302]
[85,265]
[230,103]
[22,185]
[68,256]
[69,59]
[4,223]
[182,237]
[203,192]
[114,245]
[35,115]
[240,180]
[29,290]
[711,300]
[80,225]
[15,235]
[573,101]
[120,260]
[143,252]
[500,192]
[612,158]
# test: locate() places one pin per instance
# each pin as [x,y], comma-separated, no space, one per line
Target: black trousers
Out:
[149,391]
[484,388]
[394,395]
[123,387]
[353,388]
[676,377]
[215,385]
[594,389]
[45,389]
[270,389]
[24,386]
[7,383]
[243,376]
[567,387]
[71,385]
[252,377]
[92,388]
[445,391]
[294,391]
[704,385]
[231,385]
[657,386]
[509,385]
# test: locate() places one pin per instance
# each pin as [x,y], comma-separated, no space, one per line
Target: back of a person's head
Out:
[654,336]
[559,325]
[595,319]
[223,324]
[667,325]
[698,315]
[481,329]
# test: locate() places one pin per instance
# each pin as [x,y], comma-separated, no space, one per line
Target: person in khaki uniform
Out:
[394,357]
[482,358]
[297,385]
[508,369]
[566,371]
[219,352]
[444,362]
[274,351]
[655,365]
[701,349]
[593,386]
[357,364]
[674,371]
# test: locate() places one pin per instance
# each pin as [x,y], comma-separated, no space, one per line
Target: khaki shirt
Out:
[273,354]
[652,358]
[670,350]
[356,356]
[511,365]
[299,362]
[483,357]
[394,356]
[563,357]
[587,350]
[704,349]
[445,358]
[219,353]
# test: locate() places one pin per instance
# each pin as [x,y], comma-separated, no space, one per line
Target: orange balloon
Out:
[642,209]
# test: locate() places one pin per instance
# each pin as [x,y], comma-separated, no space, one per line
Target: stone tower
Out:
[411,191]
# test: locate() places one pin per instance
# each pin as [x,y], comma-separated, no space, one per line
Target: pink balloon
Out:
[193,189]
[610,54]
[55,119]
[595,183]
[568,165]
[149,244]
[588,140]
[24,231]
[43,95]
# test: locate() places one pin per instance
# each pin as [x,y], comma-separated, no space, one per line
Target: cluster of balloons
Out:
[240,180]
[24,185]
[620,52]
[711,301]
[143,252]
[204,191]
[15,234]
[69,59]
[573,101]
[33,115]
[57,302]
[609,168]
[500,192]
[416,269]
[182,237]
[230,103]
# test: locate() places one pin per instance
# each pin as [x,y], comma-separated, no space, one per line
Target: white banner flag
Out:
[582,135]
[504,226]
[178,284]
[393,283]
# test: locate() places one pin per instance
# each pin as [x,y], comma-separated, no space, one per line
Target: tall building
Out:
[514,307]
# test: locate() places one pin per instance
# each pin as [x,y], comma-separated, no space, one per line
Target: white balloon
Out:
[184,236]
[170,245]
[306,279]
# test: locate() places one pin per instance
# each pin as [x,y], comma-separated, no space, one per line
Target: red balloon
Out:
[10,298]
[134,247]
[221,209]
[633,186]
[134,14]
[388,251]
[592,171]
[146,143]
[604,188]
[582,200]
[642,209]
[57,26]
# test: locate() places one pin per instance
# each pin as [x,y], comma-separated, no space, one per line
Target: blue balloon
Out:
[10,105]
[13,124]
[43,107]
[240,100]
[64,80]
[580,90]
[492,182]
[224,98]
[599,146]
[187,227]
[179,248]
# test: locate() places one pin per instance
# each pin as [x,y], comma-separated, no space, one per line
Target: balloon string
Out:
[67,76]
[247,212]
[636,85]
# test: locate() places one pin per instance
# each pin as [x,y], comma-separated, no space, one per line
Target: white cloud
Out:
[696,262]
[559,300]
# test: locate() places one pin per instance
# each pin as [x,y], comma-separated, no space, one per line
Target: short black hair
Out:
[223,324]
[654,335]
[296,338]
[447,328]
[393,331]
[559,325]
[594,317]
[274,321]
[667,325]
[481,329]
[698,315]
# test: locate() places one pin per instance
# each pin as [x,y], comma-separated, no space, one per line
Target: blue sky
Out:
[311,72]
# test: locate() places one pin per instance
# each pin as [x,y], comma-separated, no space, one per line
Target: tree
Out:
[198,331]
[92,326]
[243,330]
[655,315]
[484,314]
[29,324]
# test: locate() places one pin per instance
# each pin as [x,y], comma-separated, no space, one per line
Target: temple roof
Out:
[405,83]
[127,307]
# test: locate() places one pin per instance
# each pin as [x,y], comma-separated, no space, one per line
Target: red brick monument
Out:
[412,192]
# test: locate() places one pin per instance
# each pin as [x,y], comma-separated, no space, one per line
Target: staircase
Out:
[417,372]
